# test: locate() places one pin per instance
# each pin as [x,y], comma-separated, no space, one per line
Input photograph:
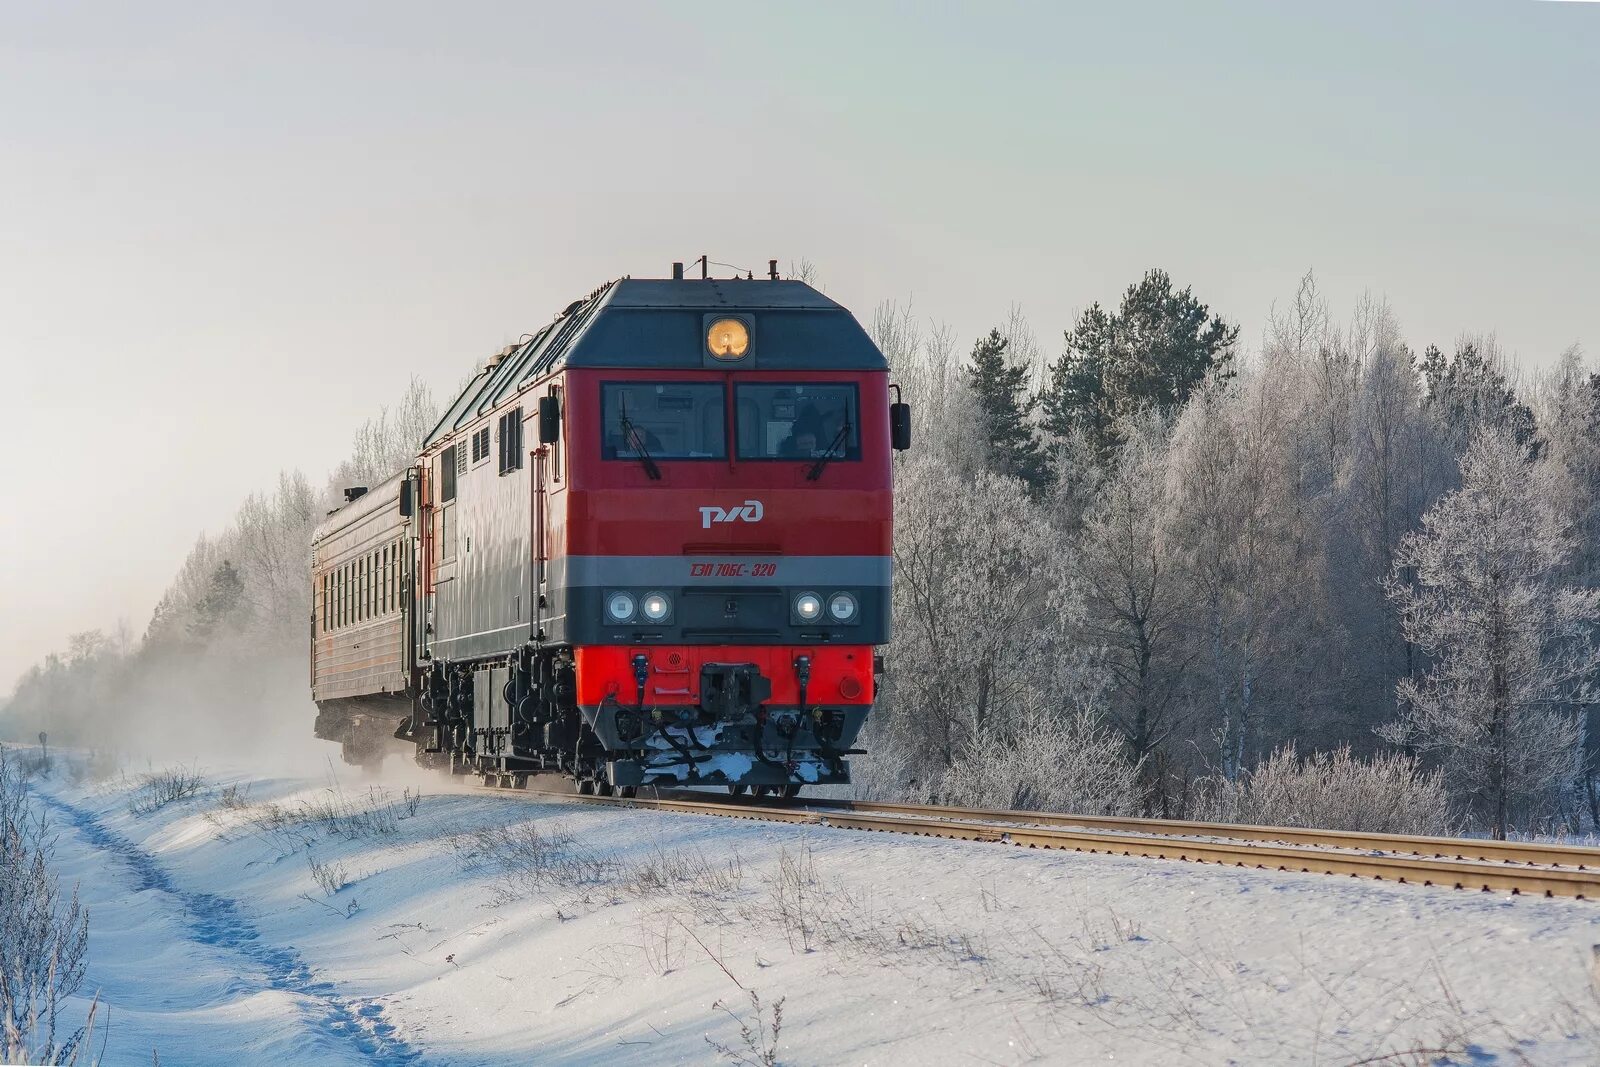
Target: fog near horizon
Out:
[231,236]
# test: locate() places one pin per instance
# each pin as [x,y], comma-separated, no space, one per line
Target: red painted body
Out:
[840,674]
[613,508]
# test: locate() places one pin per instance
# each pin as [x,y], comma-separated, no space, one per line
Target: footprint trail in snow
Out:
[221,923]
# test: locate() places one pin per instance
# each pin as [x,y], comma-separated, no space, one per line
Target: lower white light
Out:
[620,607]
[842,606]
[808,606]
[656,606]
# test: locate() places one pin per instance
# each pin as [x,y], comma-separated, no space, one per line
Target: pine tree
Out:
[1470,393]
[222,606]
[1150,354]
[1004,403]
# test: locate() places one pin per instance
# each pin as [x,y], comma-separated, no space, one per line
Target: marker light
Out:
[620,607]
[728,339]
[656,606]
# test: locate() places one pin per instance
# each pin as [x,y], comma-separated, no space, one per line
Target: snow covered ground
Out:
[296,920]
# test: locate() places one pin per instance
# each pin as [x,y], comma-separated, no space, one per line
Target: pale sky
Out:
[228,233]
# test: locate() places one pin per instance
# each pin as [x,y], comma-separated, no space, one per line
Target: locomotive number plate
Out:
[733,570]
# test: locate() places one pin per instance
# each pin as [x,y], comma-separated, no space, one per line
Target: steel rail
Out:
[1489,851]
[1583,883]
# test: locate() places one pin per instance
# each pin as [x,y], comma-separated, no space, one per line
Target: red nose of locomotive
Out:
[730,597]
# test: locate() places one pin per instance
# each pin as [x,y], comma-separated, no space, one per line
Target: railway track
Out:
[1487,866]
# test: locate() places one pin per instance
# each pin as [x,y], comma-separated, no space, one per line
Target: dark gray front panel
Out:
[723,600]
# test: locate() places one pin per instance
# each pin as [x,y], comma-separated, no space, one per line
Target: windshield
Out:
[798,420]
[671,420]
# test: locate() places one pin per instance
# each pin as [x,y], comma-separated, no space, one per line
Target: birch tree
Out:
[1512,645]
[1137,599]
[1568,408]
[981,602]
[385,444]
[1244,545]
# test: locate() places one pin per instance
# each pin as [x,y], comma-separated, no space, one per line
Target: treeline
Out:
[224,660]
[1336,546]
[1331,580]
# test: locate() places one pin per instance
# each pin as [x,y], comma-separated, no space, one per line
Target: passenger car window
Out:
[797,420]
[671,420]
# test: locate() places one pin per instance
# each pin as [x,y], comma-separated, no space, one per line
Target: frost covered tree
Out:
[385,444]
[1512,645]
[272,533]
[1567,406]
[1137,598]
[1243,543]
[982,600]
[925,365]
[1397,465]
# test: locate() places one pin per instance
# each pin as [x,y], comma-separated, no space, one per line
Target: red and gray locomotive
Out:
[650,545]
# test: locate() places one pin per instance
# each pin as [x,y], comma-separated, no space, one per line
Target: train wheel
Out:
[763,790]
[604,788]
[586,787]
[792,791]
[737,790]
[627,792]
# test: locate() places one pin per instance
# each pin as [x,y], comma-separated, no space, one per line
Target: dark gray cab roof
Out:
[659,324]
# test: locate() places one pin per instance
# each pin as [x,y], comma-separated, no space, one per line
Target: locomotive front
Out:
[723,574]
[649,545]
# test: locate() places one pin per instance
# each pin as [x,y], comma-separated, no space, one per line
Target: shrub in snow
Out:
[160,788]
[1071,763]
[43,936]
[1391,794]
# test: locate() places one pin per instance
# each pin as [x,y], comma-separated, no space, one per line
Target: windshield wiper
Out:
[632,435]
[838,439]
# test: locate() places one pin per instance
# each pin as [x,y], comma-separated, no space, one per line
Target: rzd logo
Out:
[749,511]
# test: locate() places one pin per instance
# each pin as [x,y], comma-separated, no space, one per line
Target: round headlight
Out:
[655,606]
[620,607]
[808,606]
[842,606]
[727,339]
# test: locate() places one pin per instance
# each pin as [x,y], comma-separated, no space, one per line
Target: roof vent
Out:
[499,357]
[354,491]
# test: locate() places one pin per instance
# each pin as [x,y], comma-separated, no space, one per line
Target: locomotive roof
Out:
[659,324]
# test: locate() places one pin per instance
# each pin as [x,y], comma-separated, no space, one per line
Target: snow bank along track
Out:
[1488,866]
